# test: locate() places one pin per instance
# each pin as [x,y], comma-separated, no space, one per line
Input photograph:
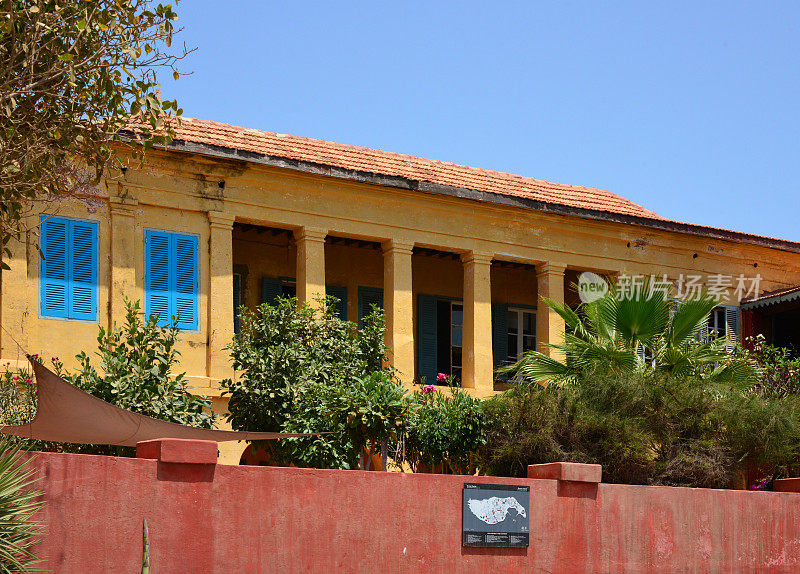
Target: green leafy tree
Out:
[74,75]
[644,332]
[372,409]
[302,370]
[445,428]
[18,505]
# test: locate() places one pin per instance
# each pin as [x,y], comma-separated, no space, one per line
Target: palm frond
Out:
[689,318]
[738,374]
[534,366]
[18,505]
[571,318]
[641,319]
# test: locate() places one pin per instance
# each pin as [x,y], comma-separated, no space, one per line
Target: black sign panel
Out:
[496,515]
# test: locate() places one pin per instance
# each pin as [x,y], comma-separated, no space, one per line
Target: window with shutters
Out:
[724,321]
[171,278]
[68,269]
[521,333]
[716,323]
[288,287]
[456,338]
[367,297]
[238,298]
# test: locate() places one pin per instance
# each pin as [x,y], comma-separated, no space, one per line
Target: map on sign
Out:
[493,510]
[495,515]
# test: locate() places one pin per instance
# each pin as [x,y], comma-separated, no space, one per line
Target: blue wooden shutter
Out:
[427,337]
[270,290]
[82,295]
[368,296]
[157,276]
[499,333]
[184,294]
[53,288]
[341,295]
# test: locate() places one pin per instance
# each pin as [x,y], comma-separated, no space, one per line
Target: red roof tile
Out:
[405,166]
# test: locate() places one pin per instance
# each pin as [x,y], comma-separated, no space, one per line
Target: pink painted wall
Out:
[214,518]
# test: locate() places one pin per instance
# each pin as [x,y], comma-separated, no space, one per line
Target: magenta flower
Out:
[441,377]
[428,389]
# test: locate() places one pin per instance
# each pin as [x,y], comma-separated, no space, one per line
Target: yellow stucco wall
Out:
[177,191]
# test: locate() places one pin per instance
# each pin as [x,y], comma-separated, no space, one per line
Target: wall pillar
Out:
[310,264]
[220,295]
[477,364]
[398,301]
[124,253]
[19,303]
[549,324]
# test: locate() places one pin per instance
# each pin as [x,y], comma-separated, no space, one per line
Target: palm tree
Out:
[19,527]
[644,333]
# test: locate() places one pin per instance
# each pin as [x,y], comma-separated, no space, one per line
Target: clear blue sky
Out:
[690,109]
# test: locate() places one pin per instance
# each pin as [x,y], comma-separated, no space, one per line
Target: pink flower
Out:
[441,377]
[428,389]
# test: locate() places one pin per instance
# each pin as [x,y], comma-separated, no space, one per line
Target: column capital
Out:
[392,246]
[550,268]
[317,234]
[477,258]
[221,219]
[122,205]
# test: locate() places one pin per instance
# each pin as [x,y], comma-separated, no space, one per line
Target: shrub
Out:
[17,396]
[136,365]
[18,400]
[779,369]
[445,428]
[644,428]
[301,370]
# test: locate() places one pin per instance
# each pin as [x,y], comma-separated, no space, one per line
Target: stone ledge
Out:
[178,451]
[786,485]
[566,471]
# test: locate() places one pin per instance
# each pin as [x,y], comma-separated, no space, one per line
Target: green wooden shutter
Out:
[427,337]
[341,299]
[270,290]
[499,333]
[237,301]
[368,296]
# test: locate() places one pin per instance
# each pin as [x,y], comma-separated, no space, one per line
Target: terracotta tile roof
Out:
[385,163]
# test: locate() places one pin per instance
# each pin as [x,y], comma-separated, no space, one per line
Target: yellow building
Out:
[457,256]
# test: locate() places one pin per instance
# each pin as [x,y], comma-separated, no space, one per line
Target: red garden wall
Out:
[205,517]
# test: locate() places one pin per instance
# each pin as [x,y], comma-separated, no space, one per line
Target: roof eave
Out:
[477,195]
[770,301]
